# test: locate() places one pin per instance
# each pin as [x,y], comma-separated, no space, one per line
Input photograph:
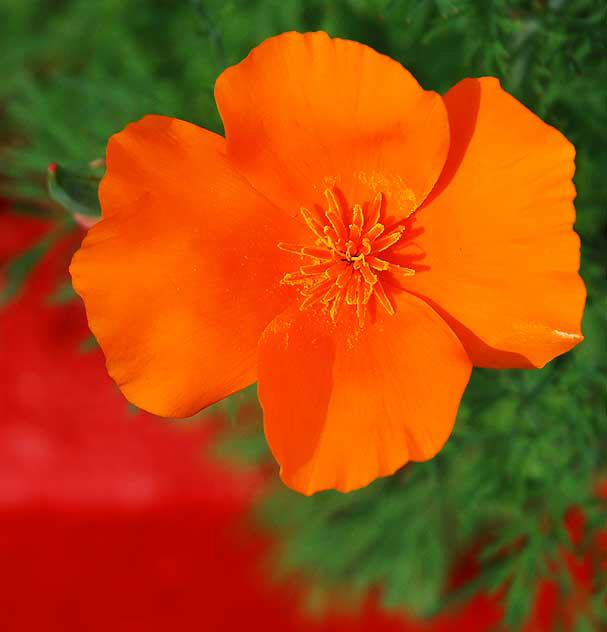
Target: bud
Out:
[76,190]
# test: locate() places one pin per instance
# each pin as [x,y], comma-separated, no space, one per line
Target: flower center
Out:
[344,266]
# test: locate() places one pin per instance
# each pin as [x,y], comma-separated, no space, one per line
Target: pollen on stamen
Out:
[341,266]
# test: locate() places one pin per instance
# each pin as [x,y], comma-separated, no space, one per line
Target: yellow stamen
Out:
[343,267]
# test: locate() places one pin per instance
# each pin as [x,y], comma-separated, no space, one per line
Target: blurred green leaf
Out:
[64,293]
[75,190]
[16,271]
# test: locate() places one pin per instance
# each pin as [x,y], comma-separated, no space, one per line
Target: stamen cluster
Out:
[345,267]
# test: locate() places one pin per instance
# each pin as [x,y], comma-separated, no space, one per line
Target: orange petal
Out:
[343,406]
[501,257]
[303,112]
[182,275]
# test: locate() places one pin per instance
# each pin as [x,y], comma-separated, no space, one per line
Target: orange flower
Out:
[355,244]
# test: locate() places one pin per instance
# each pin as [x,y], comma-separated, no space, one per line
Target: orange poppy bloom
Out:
[355,244]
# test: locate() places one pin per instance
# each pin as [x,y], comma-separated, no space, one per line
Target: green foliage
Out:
[76,191]
[231,407]
[18,269]
[527,445]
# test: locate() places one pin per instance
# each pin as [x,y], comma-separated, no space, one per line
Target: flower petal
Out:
[182,275]
[303,112]
[500,256]
[343,406]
